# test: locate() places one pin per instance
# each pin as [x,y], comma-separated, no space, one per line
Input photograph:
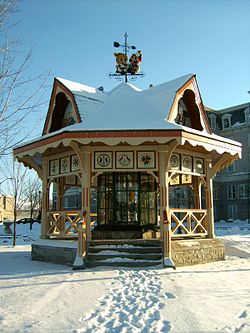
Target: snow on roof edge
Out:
[76,87]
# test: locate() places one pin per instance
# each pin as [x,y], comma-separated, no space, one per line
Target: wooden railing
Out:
[62,224]
[188,222]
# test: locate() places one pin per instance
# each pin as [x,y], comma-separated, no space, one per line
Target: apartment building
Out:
[6,208]
[231,186]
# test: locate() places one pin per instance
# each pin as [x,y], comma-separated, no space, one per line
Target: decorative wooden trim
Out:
[174,180]
[124,160]
[28,162]
[74,163]
[57,223]
[146,159]
[96,175]
[99,135]
[57,87]
[75,146]
[199,165]
[64,165]
[192,85]
[190,222]
[54,167]
[177,97]
[152,174]
[103,160]
[224,160]
[175,162]
[186,163]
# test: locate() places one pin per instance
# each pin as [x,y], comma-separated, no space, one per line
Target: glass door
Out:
[105,199]
[127,198]
[148,200]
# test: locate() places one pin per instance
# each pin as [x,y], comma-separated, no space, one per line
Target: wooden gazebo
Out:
[130,164]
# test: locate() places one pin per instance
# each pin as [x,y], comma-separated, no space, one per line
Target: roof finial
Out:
[124,66]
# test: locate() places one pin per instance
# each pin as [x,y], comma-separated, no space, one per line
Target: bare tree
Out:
[24,187]
[16,186]
[32,196]
[18,97]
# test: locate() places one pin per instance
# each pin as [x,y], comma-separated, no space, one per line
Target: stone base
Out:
[184,252]
[197,251]
[63,254]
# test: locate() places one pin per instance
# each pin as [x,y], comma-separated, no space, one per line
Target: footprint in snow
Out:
[243,314]
[169,296]
[133,305]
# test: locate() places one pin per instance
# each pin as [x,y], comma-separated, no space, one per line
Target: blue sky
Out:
[74,39]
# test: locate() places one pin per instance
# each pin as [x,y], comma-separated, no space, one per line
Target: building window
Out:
[231,191]
[226,121]
[4,202]
[213,121]
[247,115]
[215,193]
[72,198]
[231,167]
[233,212]
[243,191]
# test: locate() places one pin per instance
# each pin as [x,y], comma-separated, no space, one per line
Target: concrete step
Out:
[141,256]
[128,253]
[124,263]
[137,249]
[125,242]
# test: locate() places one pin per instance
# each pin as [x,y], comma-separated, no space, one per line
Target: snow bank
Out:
[41,297]
[23,233]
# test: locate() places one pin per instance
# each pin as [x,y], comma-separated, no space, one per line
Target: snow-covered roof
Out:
[125,107]
[128,111]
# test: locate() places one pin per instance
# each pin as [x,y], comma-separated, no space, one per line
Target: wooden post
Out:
[60,192]
[164,208]
[45,201]
[209,199]
[80,260]
[197,192]
[84,231]
[86,192]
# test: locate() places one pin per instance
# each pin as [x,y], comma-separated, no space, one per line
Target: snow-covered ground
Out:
[42,297]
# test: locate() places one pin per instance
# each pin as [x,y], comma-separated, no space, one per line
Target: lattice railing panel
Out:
[188,222]
[63,223]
